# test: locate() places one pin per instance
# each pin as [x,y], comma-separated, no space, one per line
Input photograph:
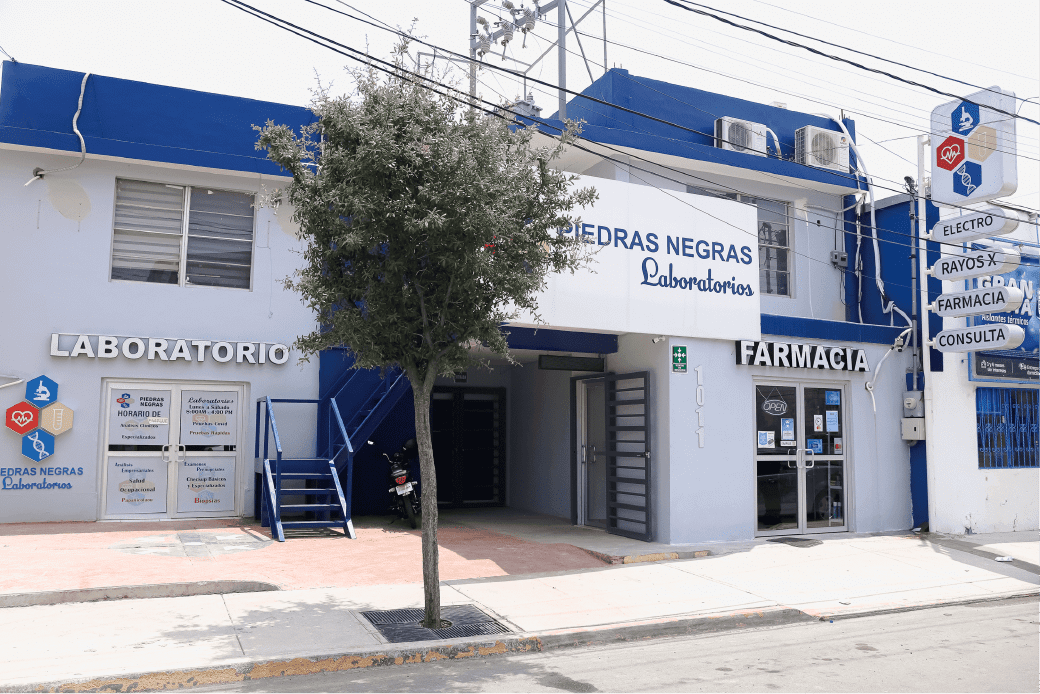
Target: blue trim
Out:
[790,326]
[560,340]
[696,110]
[136,120]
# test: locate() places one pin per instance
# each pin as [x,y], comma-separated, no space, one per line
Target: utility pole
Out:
[561,47]
[930,451]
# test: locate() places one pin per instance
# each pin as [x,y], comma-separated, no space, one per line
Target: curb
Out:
[418,653]
[148,590]
[639,558]
[423,652]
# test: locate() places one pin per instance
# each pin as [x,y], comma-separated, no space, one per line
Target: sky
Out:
[211,46]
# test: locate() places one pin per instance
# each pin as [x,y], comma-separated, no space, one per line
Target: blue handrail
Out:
[342,429]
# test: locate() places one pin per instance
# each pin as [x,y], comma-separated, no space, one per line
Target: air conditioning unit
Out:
[824,149]
[741,136]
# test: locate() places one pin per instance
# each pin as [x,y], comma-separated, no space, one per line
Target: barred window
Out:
[1007,423]
[183,235]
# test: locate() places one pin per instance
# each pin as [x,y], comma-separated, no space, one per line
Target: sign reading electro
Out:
[973,148]
[990,221]
[784,354]
[166,349]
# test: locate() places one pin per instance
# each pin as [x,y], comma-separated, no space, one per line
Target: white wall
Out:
[54,276]
[713,488]
[961,497]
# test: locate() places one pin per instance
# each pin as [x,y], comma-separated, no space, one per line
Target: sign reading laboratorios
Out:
[662,263]
[209,418]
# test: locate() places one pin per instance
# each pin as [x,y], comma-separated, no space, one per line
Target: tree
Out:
[428,224]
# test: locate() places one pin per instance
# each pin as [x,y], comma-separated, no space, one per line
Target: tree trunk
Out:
[421,390]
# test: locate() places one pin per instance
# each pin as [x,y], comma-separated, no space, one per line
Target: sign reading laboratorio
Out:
[973,148]
[206,484]
[139,417]
[209,418]
[795,356]
[662,262]
[95,346]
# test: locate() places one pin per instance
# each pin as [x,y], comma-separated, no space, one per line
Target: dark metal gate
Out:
[628,455]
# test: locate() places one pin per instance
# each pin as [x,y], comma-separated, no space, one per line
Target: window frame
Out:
[746,198]
[185,222]
[1005,458]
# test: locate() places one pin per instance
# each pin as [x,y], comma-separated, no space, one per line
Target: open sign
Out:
[774,407]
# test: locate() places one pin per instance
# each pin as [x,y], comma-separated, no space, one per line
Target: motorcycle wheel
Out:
[411,512]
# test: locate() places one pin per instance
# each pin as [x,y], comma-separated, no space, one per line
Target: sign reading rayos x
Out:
[791,356]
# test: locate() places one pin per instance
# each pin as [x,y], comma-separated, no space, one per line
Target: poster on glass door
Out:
[136,484]
[209,418]
[138,417]
[206,484]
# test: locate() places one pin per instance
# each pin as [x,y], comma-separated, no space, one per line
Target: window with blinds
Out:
[184,235]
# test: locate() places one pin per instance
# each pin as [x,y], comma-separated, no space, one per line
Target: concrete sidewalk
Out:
[186,641]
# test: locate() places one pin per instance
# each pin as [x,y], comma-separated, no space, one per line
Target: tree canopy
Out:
[428,224]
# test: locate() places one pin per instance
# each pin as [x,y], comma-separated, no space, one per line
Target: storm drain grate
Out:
[402,626]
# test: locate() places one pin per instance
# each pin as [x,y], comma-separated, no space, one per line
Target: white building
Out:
[656,403]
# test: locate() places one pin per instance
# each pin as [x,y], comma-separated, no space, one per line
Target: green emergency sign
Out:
[679,359]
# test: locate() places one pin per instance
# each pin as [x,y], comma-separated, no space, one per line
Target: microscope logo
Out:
[39,418]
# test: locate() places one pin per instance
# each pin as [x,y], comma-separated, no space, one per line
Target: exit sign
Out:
[679,359]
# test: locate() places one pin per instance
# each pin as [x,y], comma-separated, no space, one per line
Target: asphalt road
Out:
[986,647]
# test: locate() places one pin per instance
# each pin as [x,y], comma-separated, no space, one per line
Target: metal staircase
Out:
[362,399]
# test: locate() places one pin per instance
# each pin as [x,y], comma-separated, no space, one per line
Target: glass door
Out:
[592,458]
[171,451]
[799,459]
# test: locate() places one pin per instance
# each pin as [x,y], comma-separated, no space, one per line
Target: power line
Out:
[851,50]
[678,4]
[394,70]
[801,96]
[402,34]
[885,38]
[683,39]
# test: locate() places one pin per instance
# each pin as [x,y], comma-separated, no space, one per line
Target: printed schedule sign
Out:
[139,417]
[136,485]
[209,418]
[206,484]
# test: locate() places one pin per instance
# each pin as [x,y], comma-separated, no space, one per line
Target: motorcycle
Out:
[405,489]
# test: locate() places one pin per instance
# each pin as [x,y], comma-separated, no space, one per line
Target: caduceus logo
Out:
[949,153]
[38,446]
[125,400]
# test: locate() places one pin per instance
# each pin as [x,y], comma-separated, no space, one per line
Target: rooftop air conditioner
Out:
[824,149]
[741,136]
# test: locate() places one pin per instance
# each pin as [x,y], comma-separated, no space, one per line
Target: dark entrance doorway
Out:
[468,428]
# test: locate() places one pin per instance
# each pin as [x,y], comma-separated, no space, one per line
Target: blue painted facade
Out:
[137,120]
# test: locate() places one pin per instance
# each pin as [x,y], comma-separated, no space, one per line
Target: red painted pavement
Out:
[62,556]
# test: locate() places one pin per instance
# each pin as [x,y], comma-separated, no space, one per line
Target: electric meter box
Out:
[913,429]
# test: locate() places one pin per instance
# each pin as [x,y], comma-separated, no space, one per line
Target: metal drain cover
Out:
[402,626]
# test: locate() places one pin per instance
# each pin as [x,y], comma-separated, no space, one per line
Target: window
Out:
[1007,421]
[774,240]
[154,240]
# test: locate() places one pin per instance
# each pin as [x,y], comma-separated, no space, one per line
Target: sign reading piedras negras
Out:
[988,336]
[976,302]
[990,221]
[975,264]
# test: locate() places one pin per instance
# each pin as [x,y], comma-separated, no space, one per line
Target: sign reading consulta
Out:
[166,349]
[784,354]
